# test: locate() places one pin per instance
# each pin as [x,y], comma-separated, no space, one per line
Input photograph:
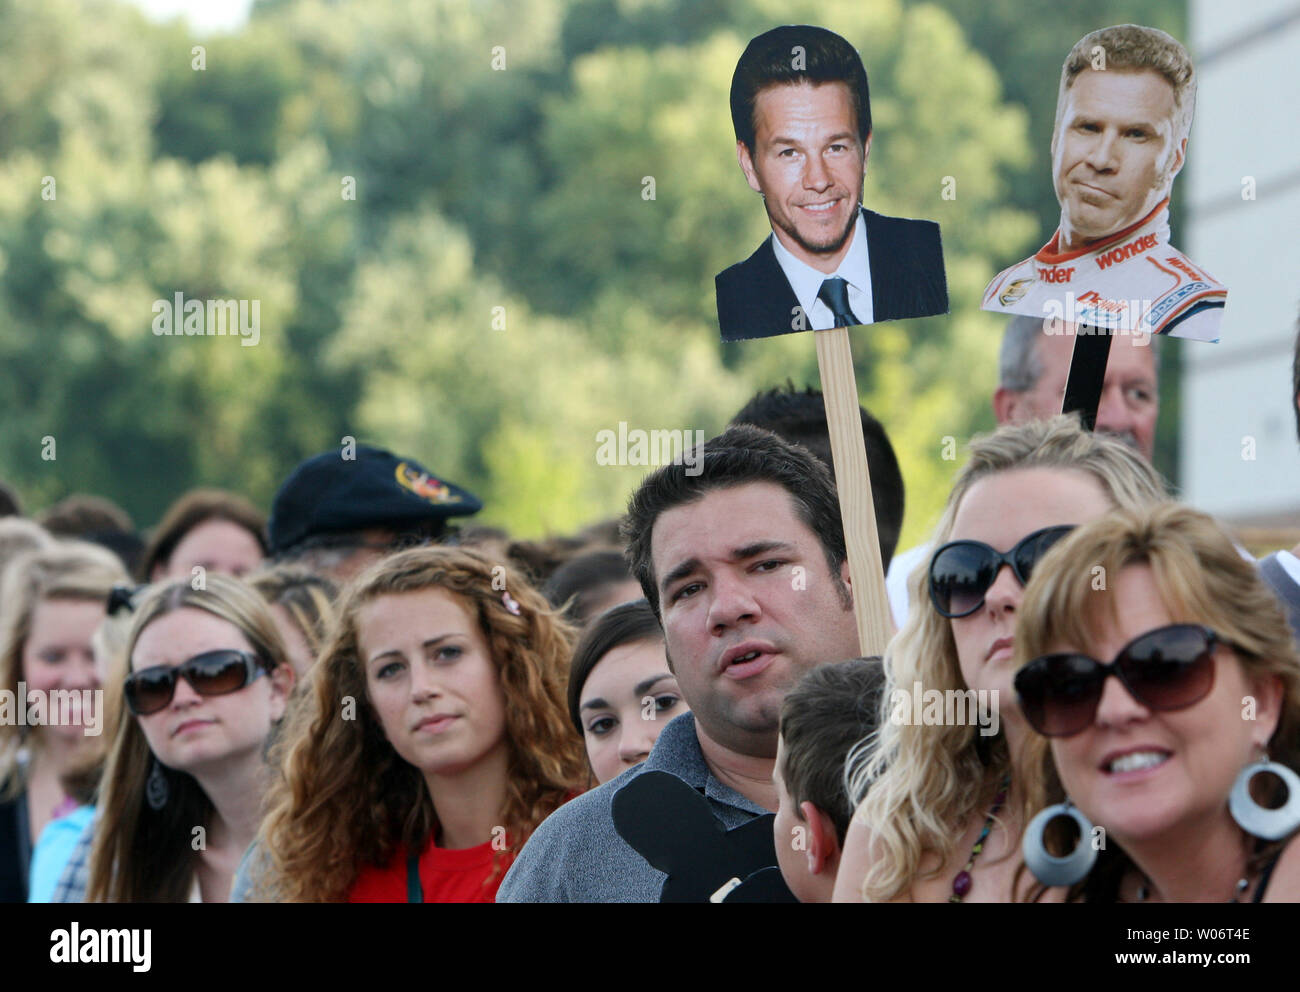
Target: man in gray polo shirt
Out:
[740,552]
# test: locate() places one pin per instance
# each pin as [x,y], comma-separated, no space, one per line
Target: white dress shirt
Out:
[855,269]
[900,570]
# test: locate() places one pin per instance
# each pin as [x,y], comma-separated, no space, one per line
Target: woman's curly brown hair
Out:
[345,799]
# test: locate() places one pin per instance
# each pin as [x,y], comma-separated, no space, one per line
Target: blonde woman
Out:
[1168,755]
[62,840]
[944,804]
[54,600]
[17,536]
[181,793]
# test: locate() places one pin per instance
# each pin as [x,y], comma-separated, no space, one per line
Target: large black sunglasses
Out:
[213,673]
[961,572]
[1169,668]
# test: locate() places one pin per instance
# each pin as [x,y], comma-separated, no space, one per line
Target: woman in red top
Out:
[430,742]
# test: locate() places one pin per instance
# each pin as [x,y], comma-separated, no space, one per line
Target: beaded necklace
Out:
[962,883]
[1243,884]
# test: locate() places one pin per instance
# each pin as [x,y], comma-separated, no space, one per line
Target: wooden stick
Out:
[853,482]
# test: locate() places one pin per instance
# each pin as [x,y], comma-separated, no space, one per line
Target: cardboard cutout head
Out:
[1123,113]
[801,108]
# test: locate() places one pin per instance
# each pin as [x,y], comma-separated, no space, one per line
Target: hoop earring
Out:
[1270,824]
[1047,868]
[156,789]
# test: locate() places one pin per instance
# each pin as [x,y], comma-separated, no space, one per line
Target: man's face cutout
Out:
[1114,154]
[809,164]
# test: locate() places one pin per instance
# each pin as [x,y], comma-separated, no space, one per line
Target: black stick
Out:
[1087,373]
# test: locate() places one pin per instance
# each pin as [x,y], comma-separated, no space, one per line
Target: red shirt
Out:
[447,876]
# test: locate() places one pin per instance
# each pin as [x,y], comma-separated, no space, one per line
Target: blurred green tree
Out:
[382,176]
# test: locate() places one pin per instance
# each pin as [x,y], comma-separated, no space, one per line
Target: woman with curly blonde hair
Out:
[432,739]
[941,802]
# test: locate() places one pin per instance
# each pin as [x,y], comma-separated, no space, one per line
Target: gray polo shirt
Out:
[576,855]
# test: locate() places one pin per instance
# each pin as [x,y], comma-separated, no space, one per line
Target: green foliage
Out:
[468,378]
[235,106]
[74,70]
[82,361]
[476,188]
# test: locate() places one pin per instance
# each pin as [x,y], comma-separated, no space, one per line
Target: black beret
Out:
[330,493]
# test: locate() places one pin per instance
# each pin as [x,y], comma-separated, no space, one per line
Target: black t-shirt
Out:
[15,849]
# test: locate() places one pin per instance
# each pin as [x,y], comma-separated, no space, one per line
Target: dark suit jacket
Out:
[907,280]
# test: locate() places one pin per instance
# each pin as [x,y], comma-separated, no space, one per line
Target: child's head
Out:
[831,709]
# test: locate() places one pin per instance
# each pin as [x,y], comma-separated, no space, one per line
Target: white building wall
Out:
[1236,395]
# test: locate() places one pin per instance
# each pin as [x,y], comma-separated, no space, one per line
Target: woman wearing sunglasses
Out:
[1185,756]
[942,817]
[181,792]
[433,741]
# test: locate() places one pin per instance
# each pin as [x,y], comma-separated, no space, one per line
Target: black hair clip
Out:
[119,598]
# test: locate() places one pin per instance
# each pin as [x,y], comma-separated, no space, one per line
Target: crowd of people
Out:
[366,697]
[363,696]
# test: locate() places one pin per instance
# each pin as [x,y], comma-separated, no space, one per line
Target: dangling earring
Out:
[155,787]
[1049,869]
[1270,824]
[983,749]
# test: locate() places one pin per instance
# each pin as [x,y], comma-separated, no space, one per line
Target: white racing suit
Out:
[1132,281]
